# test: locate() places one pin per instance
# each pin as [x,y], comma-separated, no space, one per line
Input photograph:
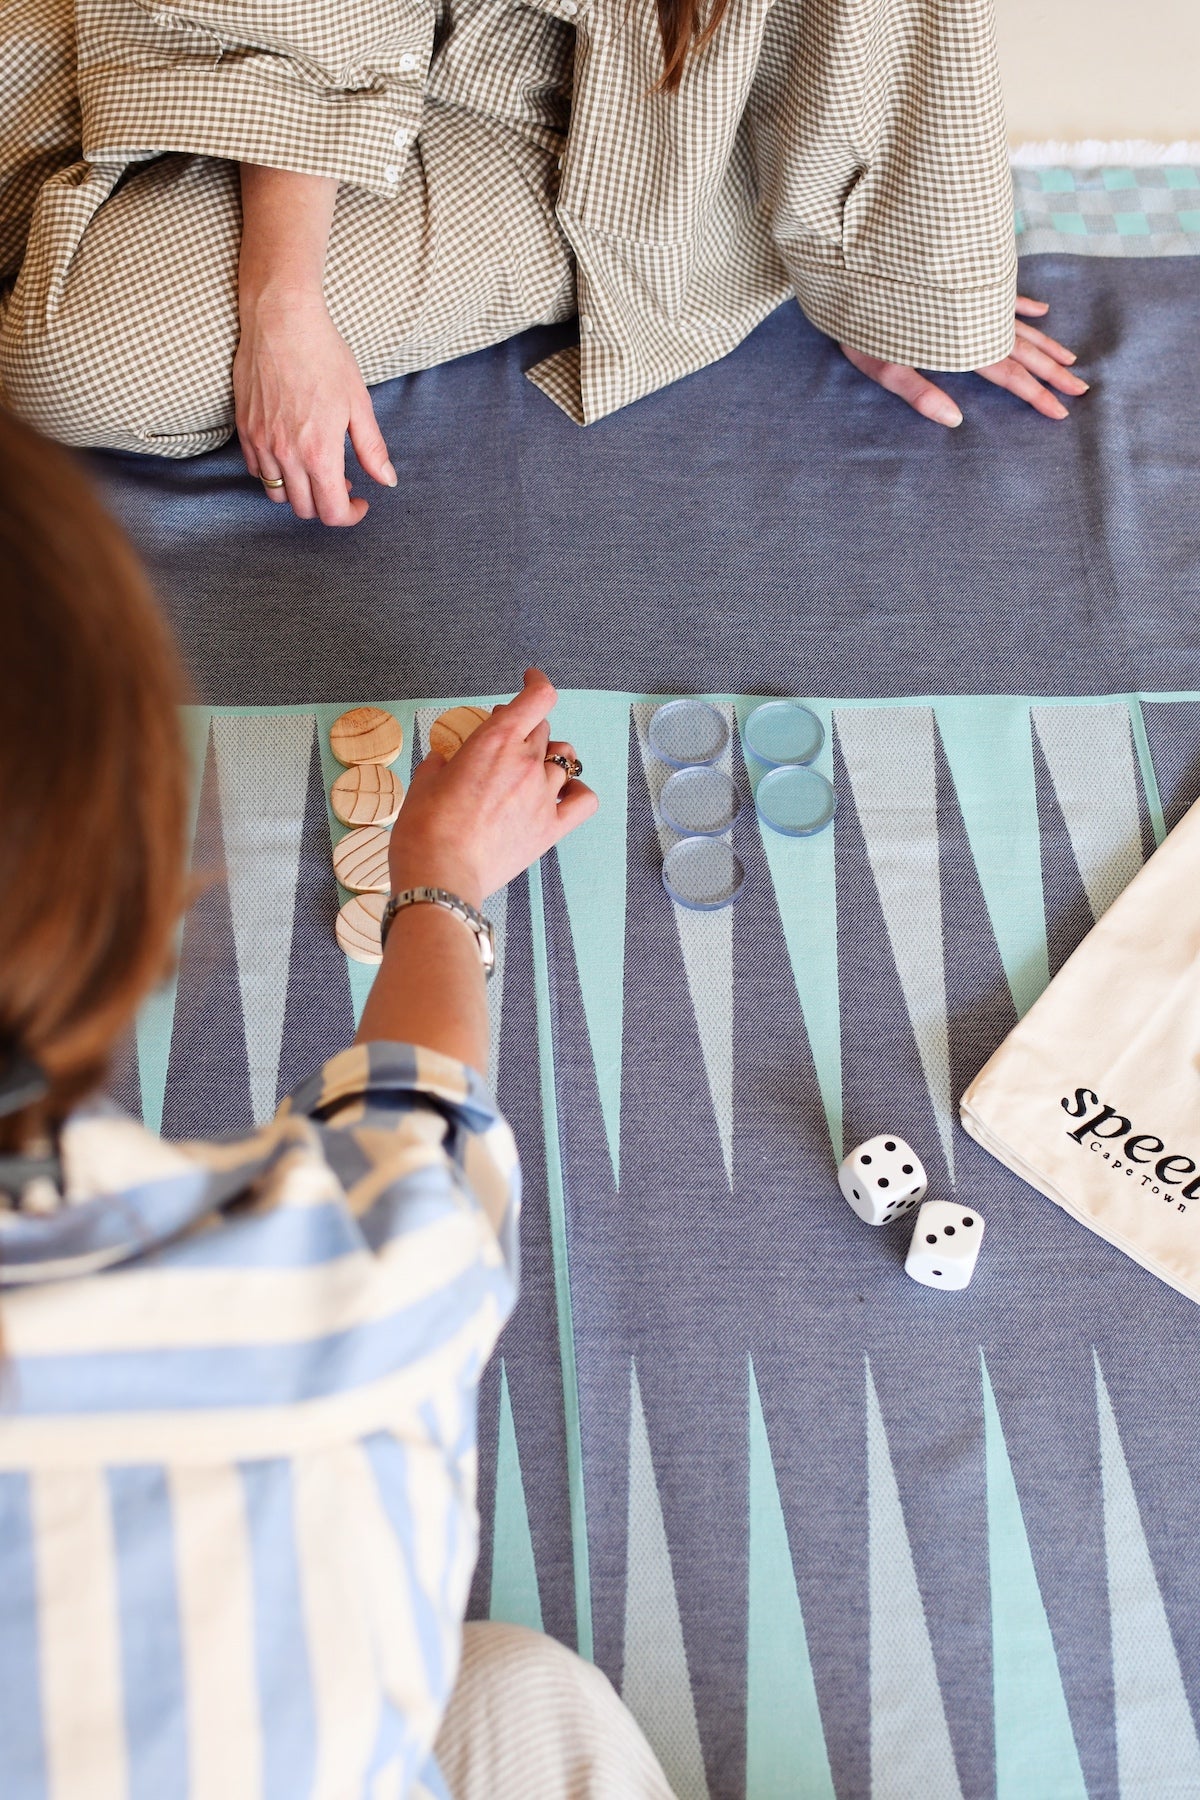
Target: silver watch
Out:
[482,928]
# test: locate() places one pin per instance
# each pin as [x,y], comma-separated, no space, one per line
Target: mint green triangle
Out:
[911,1752]
[1035,1746]
[802,871]
[157,1014]
[989,749]
[656,1686]
[786,1757]
[1157,1749]
[592,862]
[514,1596]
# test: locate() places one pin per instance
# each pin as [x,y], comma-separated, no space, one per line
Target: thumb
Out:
[367,439]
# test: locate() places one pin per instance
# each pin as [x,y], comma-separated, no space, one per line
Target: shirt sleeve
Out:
[321,88]
[402,1126]
[879,139]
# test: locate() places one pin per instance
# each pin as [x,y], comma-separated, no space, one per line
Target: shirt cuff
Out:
[924,327]
[218,109]
[386,1071]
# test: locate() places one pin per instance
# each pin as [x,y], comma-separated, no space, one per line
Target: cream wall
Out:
[1101,68]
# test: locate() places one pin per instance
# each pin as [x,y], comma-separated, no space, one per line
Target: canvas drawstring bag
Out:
[1095,1097]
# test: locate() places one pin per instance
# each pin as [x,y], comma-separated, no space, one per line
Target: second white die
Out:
[882,1179]
[945,1245]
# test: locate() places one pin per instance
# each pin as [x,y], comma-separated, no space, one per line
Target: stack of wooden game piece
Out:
[367,797]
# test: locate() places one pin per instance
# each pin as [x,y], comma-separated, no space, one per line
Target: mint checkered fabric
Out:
[1151,211]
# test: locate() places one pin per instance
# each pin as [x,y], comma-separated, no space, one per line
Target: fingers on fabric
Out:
[1029,334]
[369,446]
[331,494]
[1047,369]
[1031,309]
[1009,374]
[907,384]
[922,395]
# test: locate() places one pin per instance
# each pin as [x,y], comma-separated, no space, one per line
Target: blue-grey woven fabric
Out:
[772,524]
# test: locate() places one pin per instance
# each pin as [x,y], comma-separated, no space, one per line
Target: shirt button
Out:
[585,322]
[570,7]
[391,173]
[408,61]
[402,139]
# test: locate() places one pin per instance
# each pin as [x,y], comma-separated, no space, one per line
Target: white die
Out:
[882,1179]
[945,1245]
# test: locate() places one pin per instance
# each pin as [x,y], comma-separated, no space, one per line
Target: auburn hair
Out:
[93,780]
[684,26]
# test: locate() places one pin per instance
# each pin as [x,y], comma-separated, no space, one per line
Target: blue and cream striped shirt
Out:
[237,1442]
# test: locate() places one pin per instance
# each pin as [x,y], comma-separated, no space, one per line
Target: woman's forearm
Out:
[430,988]
[285,232]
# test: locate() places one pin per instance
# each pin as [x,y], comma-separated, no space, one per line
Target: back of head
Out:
[93,779]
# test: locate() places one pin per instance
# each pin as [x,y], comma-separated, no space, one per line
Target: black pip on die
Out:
[882,1179]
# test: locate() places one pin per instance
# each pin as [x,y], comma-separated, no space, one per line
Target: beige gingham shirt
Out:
[849,152]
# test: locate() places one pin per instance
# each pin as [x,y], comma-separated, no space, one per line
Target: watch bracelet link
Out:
[481,928]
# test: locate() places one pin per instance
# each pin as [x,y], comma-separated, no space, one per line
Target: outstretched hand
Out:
[474,822]
[1036,364]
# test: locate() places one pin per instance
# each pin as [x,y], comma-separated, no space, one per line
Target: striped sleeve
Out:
[379,1105]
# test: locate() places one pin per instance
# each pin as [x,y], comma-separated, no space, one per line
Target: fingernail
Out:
[1083,385]
[1071,356]
[389,474]
[949,415]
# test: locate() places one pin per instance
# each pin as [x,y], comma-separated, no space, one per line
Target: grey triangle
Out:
[706,943]
[1090,754]
[656,1686]
[890,759]
[262,767]
[911,1752]
[1157,1749]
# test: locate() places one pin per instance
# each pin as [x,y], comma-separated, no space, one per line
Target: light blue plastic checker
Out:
[699,802]
[702,873]
[796,801]
[783,732]
[686,732]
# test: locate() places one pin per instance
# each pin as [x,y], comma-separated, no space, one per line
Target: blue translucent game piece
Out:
[702,873]
[796,801]
[783,732]
[699,802]
[686,732]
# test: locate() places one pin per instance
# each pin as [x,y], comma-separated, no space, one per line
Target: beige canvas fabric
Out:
[529,1720]
[852,152]
[1095,1097]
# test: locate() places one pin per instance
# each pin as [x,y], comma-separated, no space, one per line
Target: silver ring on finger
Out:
[571,766]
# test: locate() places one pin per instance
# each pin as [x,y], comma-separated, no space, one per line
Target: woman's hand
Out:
[298,392]
[474,822]
[468,825]
[297,388]
[1037,364]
